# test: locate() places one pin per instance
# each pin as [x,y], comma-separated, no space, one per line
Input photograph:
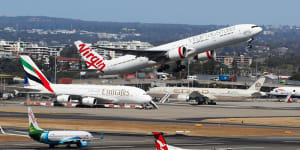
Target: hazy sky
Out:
[198,12]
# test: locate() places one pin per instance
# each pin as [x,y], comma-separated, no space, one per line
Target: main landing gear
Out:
[249,43]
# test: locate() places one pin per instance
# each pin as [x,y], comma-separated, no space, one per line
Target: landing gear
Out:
[78,144]
[179,67]
[249,43]
[163,67]
[51,145]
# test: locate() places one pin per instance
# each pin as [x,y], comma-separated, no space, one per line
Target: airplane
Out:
[285,91]
[182,93]
[53,138]
[89,95]
[200,47]
[161,143]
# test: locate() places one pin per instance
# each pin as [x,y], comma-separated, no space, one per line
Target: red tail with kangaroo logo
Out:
[160,141]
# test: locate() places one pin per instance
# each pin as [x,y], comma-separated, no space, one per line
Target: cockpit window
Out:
[254,26]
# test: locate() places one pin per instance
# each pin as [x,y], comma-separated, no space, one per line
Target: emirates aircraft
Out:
[89,95]
[80,138]
[201,46]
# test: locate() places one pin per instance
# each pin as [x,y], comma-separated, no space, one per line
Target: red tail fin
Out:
[160,141]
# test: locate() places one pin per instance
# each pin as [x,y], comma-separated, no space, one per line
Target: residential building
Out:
[240,60]
[120,44]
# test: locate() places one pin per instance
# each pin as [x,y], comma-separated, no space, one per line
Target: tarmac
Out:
[175,113]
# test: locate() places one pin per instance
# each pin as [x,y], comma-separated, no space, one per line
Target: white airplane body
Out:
[203,44]
[80,138]
[213,93]
[285,91]
[89,94]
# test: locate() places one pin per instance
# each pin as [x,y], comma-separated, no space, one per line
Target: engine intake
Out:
[63,98]
[207,55]
[90,101]
[179,53]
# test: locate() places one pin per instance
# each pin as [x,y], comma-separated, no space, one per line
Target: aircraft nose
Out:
[91,137]
[258,30]
[147,98]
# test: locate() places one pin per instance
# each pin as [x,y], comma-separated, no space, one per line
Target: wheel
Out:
[51,145]
[78,144]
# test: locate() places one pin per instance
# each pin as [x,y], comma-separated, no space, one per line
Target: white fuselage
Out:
[114,94]
[211,93]
[284,91]
[196,44]
[61,137]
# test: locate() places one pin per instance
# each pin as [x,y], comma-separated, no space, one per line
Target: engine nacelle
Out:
[183,97]
[207,55]
[179,53]
[90,101]
[63,98]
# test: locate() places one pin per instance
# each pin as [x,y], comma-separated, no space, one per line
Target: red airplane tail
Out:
[160,141]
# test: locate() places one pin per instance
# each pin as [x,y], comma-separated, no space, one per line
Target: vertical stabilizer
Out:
[91,58]
[34,74]
[257,84]
[160,141]
[32,120]
[35,132]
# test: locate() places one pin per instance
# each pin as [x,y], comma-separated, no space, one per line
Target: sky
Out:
[194,12]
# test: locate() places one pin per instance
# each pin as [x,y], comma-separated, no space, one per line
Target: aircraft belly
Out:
[230,98]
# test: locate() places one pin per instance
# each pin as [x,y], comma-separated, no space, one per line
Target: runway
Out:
[180,114]
[125,141]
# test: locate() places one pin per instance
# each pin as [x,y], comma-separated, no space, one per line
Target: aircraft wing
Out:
[209,96]
[151,54]
[23,134]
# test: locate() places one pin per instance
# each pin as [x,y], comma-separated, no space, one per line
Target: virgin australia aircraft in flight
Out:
[203,44]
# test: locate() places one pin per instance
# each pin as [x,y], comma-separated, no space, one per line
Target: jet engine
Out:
[207,55]
[63,98]
[179,53]
[90,101]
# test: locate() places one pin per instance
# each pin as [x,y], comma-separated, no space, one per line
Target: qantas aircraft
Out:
[213,93]
[89,94]
[80,138]
[203,44]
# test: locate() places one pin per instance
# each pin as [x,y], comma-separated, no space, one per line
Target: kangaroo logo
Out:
[161,145]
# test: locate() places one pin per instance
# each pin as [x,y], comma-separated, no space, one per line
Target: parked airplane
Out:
[80,138]
[203,44]
[161,143]
[182,93]
[89,94]
[285,91]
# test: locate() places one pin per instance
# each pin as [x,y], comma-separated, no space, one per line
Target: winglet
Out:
[2,132]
